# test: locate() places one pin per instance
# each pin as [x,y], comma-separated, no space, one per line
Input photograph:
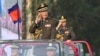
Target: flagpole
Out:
[18,25]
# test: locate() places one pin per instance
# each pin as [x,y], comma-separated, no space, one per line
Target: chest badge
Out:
[47,25]
[67,32]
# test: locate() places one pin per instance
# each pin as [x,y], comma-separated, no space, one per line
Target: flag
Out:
[14,13]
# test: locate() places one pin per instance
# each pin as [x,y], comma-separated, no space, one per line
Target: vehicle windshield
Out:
[29,49]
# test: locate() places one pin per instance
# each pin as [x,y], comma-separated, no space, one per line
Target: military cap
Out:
[62,19]
[42,7]
[51,48]
[14,47]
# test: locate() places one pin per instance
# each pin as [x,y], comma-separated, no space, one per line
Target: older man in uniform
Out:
[43,22]
[14,50]
[63,31]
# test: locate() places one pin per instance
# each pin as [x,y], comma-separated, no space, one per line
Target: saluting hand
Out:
[38,18]
[58,26]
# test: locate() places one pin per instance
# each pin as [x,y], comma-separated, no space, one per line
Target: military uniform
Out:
[65,33]
[46,28]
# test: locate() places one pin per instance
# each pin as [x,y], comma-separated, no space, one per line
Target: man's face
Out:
[50,53]
[44,14]
[63,23]
[14,52]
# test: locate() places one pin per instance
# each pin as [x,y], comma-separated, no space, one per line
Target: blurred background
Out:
[82,15]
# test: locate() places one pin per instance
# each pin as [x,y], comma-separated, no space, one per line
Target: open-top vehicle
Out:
[42,48]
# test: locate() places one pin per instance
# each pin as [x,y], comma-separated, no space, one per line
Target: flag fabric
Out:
[14,13]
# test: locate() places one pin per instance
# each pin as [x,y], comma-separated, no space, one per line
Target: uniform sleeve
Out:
[33,27]
[53,31]
[72,34]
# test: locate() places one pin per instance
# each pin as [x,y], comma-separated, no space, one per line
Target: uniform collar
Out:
[45,19]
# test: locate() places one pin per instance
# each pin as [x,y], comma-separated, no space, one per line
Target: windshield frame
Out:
[35,41]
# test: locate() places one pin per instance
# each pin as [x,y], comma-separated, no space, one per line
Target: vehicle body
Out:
[31,47]
[39,47]
[78,48]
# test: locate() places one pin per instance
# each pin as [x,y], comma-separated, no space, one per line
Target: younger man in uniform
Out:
[63,31]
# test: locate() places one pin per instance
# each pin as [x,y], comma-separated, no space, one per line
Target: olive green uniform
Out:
[65,33]
[47,28]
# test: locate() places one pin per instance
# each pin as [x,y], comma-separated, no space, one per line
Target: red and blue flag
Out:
[14,13]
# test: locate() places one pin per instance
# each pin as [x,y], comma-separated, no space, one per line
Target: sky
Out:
[0,8]
[6,4]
